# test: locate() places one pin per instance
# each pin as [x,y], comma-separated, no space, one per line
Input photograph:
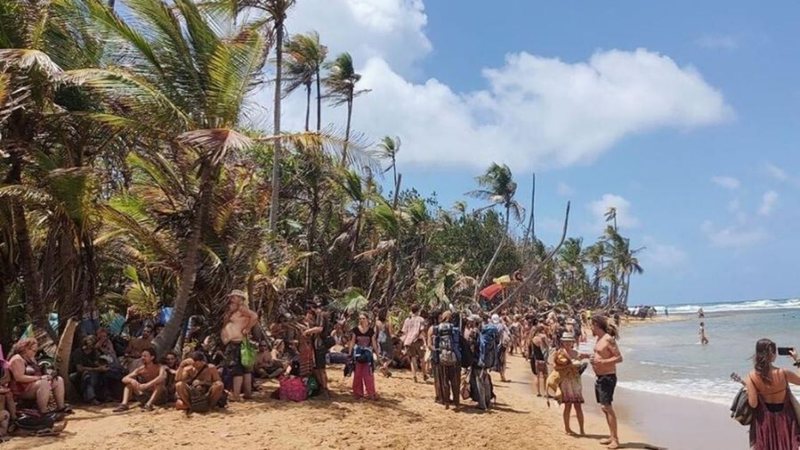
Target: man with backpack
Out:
[447,359]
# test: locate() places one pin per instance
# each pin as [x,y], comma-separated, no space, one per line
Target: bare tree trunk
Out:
[537,269]
[530,234]
[5,329]
[311,235]
[278,146]
[397,180]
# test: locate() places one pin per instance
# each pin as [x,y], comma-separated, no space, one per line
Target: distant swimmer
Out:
[701,314]
[702,332]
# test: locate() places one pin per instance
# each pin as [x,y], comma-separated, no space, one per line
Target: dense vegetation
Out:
[131,174]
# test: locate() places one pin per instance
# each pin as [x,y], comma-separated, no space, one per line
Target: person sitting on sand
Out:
[266,365]
[702,333]
[147,383]
[363,345]
[238,320]
[604,362]
[412,340]
[170,363]
[538,358]
[90,371]
[774,425]
[199,386]
[8,409]
[565,362]
[29,383]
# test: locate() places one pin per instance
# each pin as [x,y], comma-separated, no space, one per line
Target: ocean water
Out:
[667,357]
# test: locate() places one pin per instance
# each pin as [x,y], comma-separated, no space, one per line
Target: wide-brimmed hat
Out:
[495,319]
[238,293]
[567,337]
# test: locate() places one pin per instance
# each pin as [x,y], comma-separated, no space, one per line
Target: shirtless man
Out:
[238,320]
[604,362]
[146,382]
[196,373]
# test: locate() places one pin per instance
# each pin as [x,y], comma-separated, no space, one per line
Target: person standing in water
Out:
[702,332]
[604,362]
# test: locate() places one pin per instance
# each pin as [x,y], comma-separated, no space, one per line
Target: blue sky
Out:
[682,114]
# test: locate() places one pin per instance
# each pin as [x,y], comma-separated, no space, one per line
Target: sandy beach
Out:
[406,417]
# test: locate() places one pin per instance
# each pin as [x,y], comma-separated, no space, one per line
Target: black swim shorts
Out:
[233,359]
[604,388]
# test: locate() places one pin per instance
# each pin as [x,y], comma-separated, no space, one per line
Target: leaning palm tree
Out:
[341,89]
[183,89]
[305,57]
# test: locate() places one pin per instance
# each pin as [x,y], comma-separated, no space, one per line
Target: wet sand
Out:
[406,417]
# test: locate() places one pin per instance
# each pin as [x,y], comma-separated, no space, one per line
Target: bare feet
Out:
[613,445]
[605,441]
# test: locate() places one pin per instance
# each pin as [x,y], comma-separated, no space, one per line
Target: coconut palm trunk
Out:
[319,100]
[277,155]
[308,104]
[347,130]
[169,335]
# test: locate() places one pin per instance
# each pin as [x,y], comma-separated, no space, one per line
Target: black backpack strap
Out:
[198,373]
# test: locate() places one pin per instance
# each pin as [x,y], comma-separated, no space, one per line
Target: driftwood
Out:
[535,271]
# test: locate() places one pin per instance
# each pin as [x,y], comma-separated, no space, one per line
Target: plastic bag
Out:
[248,354]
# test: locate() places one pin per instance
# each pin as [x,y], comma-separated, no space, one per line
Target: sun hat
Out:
[567,337]
[495,319]
[238,293]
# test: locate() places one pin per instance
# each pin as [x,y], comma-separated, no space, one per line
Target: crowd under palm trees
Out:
[133,175]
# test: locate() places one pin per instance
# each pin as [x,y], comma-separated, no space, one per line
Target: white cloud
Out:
[726,182]
[660,255]
[599,208]
[718,42]
[768,201]
[776,172]
[564,189]
[534,111]
[736,237]
[389,29]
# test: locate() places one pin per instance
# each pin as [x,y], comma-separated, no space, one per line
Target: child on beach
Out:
[567,366]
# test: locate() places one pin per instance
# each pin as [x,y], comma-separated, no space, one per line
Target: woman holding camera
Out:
[775,425]
[363,345]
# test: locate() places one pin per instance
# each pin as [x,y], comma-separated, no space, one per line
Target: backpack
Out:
[488,345]
[362,354]
[35,421]
[740,409]
[447,345]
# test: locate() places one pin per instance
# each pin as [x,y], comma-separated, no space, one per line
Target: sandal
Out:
[148,407]
[121,408]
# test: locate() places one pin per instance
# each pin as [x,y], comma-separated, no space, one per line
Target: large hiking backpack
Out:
[488,343]
[447,345]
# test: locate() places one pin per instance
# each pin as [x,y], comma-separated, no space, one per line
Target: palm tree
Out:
[389,147]
[341,89]
[305,57]
[611,216]
[499,187]
[185,89]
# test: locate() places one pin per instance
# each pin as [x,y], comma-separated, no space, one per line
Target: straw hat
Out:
[567,337]
[238,293]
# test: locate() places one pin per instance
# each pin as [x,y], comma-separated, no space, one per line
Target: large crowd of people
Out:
[456,349]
